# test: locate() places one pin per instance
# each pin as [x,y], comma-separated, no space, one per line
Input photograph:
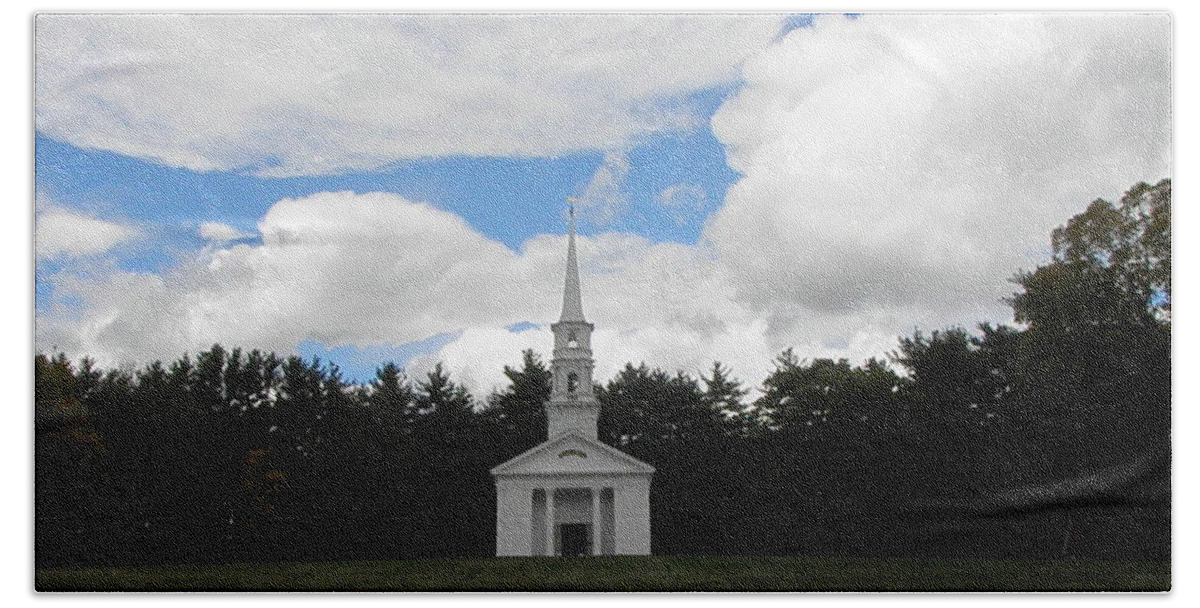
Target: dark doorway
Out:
[574,539]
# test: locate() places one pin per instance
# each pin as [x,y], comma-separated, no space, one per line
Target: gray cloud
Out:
[312,94]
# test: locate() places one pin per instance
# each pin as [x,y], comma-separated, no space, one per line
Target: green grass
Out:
[625,574]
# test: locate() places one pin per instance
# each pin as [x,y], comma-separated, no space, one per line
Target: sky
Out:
[366,188]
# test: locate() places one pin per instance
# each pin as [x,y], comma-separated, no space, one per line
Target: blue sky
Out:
[509,199]
[505,198]
[750,183]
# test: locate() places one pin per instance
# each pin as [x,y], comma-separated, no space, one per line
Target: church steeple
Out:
[573,403]
[572,309]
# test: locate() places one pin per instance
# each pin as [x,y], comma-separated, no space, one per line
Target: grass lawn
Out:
[625,574]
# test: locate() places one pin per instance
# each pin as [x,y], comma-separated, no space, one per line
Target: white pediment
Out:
[571,453]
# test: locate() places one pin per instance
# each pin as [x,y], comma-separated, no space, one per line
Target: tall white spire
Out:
[572,309]
[573,403]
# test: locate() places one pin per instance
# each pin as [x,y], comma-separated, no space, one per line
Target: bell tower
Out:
[573,403]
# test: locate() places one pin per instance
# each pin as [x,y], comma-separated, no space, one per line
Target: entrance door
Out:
[574,539]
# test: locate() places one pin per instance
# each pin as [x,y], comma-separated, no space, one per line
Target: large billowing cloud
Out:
[334,267]
[304,94]
[897,168]
[345,268]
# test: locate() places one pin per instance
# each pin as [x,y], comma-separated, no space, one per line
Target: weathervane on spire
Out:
[571,200]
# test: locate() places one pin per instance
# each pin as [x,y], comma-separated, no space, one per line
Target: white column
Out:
[550,521]
[595,520]
[514,517]
[620,520]
[631,512]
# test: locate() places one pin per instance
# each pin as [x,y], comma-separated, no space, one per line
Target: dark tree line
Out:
[1047,440]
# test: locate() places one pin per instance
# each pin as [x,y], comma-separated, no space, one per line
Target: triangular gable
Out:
[571,452]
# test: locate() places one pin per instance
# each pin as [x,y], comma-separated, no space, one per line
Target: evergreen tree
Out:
[829,397]
[724,394]
[519,411]
[68,465]
[445,407]
[643,405]
[391,398]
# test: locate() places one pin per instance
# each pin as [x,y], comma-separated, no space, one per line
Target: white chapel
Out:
[572,495]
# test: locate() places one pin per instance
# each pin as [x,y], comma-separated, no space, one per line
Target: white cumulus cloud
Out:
[898,168]
[345,268]
[335,267]
[305,94]
[221,233]
[63,233]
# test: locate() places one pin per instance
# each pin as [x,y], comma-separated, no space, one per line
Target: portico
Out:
[595,504]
